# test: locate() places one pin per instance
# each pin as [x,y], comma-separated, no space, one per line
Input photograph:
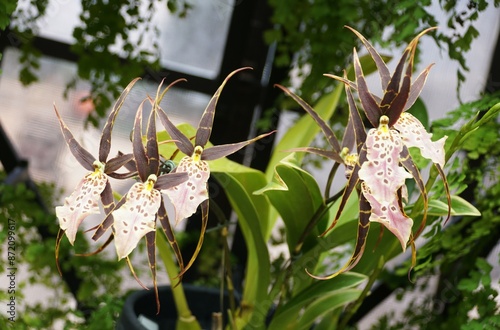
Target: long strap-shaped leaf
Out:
[207,119]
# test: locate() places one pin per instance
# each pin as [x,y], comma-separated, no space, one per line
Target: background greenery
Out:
[314,42]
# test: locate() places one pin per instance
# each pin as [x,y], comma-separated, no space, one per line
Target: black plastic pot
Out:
[202,301]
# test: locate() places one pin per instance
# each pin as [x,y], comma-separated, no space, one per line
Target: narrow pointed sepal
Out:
[363,229]
[105,143]
[322,152]
[169,233]
[180,140]
[414,134]
[224,150]
[327,131]
[83,202]
[370,105]
[204,222]
[188,195]
[136,217]
[204,129]
[417,86]
[151,246]
[82,156]
[383,70]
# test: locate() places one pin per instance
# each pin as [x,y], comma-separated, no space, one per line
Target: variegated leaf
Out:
[188,195]
[83,202]
[136,217]
[414,134]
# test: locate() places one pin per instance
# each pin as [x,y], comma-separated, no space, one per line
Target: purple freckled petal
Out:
[390,215]
[83,202]
[134,219]
[413,134]
[188,195]
[382,172]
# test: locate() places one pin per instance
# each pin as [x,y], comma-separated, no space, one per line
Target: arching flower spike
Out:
[94,187]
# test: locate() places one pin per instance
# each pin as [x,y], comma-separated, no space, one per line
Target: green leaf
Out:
[289,312]
[459,206]
[296,196]
[251,211]
[239,182]
[326,304]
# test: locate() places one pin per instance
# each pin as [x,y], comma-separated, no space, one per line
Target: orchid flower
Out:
[187,196]
[95,186]
[381,162]
[135,215]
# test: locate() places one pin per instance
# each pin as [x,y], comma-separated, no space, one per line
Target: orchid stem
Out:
[353,308]
[322,209]
[185,317]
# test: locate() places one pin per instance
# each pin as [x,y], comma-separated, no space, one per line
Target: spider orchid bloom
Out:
[382,162]
[343,153]
[395,130]
[186,197]
[135,215]
[95,186]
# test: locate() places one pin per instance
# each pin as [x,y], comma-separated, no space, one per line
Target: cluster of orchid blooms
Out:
[135,215]
[377,164]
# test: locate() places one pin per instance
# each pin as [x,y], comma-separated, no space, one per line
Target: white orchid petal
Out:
[187,196]
[382,172]
[390,215]
[83,202]
[414,134]
[136,217]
